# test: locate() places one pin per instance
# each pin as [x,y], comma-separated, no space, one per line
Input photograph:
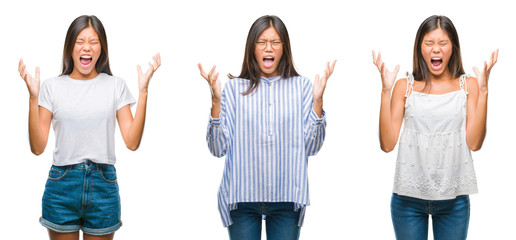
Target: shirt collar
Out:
[270,80]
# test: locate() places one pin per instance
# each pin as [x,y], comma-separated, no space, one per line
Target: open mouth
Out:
[85,60]
[268,61]
[436,62]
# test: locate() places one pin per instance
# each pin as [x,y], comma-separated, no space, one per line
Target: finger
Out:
[21,69]
[139,69]
[37,72]
[379,58]
[199,65]
[333,64]
[212,70]
[20,65]
[477,73]
[203,74]
[158,59]
[381,67]
[396,71]
[374,57]
[332,67]
[215,76]
[151,70]
[494,58]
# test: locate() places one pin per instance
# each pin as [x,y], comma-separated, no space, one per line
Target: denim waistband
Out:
[87,165]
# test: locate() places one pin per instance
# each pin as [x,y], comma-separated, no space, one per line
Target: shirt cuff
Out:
[215,121]
[316,119]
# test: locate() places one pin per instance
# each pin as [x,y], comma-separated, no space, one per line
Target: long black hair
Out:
[250,67]
[420,70]
[79,24]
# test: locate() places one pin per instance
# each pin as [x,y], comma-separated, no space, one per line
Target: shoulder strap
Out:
[462,82]
[410,84]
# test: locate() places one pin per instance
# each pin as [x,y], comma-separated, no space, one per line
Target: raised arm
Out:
[477,105]
[221,123]
[213,80]
[392,108]
[39,117]
[319,86]
[132,129]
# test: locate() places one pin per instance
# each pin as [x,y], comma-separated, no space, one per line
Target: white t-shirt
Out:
[84,116]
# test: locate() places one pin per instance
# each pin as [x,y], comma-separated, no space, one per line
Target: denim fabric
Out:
[281,221]
[82,196]
[450,218]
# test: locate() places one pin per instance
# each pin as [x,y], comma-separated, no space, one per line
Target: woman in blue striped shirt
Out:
[266,121]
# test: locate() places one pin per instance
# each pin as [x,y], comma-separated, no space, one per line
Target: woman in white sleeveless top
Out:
[444,113]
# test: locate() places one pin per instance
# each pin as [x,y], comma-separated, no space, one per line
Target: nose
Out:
[86,47]
[436,49]
[268,46]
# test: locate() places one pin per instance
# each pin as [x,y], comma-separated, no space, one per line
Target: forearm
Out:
[215,108]
[387,138]
[317,106]
[136,130]
[36,139]
[477,131]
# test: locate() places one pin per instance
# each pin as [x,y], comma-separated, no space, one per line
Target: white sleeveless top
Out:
[434,161]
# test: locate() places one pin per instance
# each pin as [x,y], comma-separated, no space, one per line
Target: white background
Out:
[169,186]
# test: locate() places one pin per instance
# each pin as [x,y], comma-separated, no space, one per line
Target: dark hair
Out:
[79,24]
[420,70]
[250,67]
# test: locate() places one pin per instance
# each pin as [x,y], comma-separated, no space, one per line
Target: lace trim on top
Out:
[410,84]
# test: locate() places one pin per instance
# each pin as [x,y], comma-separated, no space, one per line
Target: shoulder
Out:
[401,85]
[471,81]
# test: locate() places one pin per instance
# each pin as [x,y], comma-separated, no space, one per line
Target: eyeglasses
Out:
[276,44]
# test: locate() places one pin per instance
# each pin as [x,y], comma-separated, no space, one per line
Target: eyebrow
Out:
[433,40]
[82,39]
[263,39]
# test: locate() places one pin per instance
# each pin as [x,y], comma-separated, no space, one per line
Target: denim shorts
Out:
[82,196]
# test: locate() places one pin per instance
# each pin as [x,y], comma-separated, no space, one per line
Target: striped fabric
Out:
[266,137]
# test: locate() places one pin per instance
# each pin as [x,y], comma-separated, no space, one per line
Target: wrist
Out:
[215,100]
[143,91]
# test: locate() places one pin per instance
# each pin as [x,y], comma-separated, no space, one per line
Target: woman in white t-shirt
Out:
[83,104]
[444,113]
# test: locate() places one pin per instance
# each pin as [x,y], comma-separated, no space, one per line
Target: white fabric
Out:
[434,161]
[84,116]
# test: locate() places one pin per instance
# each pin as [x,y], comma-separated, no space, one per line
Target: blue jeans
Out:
[450,218]
[281,221]
[82,196]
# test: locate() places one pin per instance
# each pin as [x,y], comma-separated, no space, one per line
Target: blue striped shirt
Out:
[266,137]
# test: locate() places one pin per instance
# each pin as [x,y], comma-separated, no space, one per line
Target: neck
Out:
[80,76]
[445,76]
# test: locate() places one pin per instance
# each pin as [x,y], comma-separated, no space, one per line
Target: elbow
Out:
[36,152]
[475,147]
[386,149]
[132,147]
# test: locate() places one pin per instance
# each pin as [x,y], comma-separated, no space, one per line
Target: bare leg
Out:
[63,236]
[102,237]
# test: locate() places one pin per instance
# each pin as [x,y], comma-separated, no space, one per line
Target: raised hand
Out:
[320,82]
[32,82]
[388,78]
[482,77]
[212,78]
[144,78]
